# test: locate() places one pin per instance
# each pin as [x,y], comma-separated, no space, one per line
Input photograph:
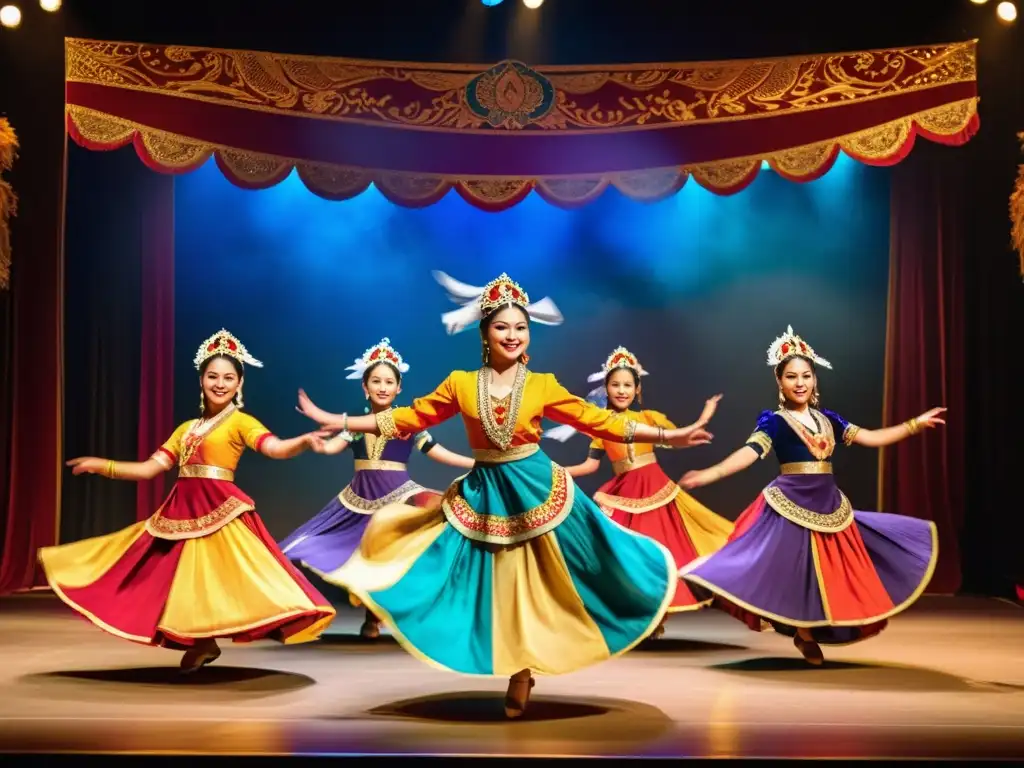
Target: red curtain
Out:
[156,380]
[924,476]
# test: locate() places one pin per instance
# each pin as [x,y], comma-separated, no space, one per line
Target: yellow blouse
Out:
[219,442]
[508,422]
[617,451]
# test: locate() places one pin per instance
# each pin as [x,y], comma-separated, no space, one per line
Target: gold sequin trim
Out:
[515,453]
[627,464]
[637,506]
[351,500]
[499,434]
[511,529]
[850,434]
[628,432]
[762,441]
[206,472]
[163,528]
[805,518]
[806,468]
[161,458]
[198,431]
[372,464]
[386,424]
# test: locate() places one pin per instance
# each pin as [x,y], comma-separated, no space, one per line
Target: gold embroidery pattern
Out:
[386,425]
[357,503]
[628,433]
[161,527]
[206,472]
[513,529]
[805,518]
[498,418]
[197,432]
[820,444]
[362,465]
[627,464]
[460,97]
[514,453]
[8,200]
[638,506]
[850,434]
[761,440]
[806,468]
[341,182]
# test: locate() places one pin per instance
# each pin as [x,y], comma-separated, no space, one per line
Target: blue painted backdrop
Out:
[697,285]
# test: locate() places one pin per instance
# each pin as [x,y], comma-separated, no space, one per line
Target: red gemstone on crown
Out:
[785,349]
[375,354]
[212,347]
[495,293]
[232,346]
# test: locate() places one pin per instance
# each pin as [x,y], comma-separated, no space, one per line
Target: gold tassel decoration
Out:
[1017,213]
[8,200]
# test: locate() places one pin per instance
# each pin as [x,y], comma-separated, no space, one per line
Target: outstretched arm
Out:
[335,445]
[587,467]
[118,470]
[737,461]
[442,455]
[278,448]
[879,438]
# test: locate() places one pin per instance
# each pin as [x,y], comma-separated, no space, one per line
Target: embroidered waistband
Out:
[393,466]
[495,456]
[207,472]
[625,465]
[806,468]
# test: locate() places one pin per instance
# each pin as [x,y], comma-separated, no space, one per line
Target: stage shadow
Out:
[849,675]
[681,645]
[249,681]
[486,707]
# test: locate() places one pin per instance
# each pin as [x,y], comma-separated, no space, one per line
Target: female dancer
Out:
[381,476]
[203,567]
[641,497]
[800,556]
[513,571]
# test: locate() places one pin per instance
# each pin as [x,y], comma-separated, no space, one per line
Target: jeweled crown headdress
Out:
[477,303]
[619,358]
[790,345]
[224,343]
[381,352]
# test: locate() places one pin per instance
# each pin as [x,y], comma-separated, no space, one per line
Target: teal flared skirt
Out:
[513,569]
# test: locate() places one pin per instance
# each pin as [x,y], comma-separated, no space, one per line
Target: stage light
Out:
[1006,12]
[532,4]
[491,3]
[10,16]
[979,2]
[50,5]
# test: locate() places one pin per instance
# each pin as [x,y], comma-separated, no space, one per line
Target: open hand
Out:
[930,419]
[316,440]
[710,406]
[308,408]
[87,465]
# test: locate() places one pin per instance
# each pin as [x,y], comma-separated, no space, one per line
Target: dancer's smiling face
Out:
[507,334]
[622,386]
[797,380]
[381,384]
[220,379]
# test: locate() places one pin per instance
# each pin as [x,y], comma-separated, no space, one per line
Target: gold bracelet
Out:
[661,435]
[912,426]
[111,469]
[344,424]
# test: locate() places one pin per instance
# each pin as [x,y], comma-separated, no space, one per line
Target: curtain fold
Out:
[925,476]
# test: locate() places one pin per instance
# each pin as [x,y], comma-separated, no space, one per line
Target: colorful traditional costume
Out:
[514,569]
[203,566]
[800,556]
[642,498]
[381,477]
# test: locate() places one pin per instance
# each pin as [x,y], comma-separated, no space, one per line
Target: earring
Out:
[782,398]
[487,352]
[524,358]
[815,398]
[239,402]
[202,402]
[366,395]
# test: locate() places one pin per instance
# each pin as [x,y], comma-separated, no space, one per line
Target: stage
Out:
[945,681]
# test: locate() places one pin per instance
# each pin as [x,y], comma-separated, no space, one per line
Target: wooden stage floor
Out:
[945,681]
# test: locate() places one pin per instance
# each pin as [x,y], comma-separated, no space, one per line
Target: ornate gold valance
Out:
[8,200]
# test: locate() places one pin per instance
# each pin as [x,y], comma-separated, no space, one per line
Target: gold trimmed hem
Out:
[836,521]
[896,609]
[354,503]
[225,633]
[690,608]
[666,495]
[196,528]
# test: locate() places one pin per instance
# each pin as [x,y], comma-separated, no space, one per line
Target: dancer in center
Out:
[513,571]
[641,496]
[381,477]
[800,556]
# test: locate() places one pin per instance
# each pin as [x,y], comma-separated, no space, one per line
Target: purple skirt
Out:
[328,540]
[800,556]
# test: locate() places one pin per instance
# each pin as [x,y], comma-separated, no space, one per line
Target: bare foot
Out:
[199,655]
[517,697]
[658,632]
[371,627]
